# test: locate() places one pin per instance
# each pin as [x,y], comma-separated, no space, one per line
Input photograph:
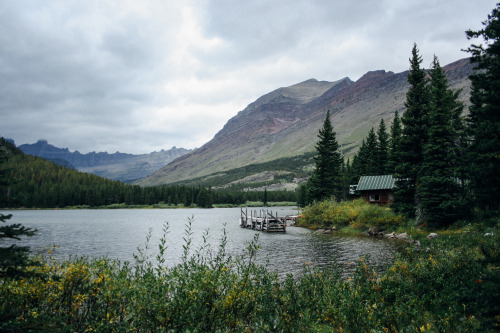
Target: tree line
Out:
[38,183]
[445,164]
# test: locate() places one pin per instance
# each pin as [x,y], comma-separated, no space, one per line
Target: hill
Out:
[280,174]
[116,166]
[37,182]
[33,182]
[285,122]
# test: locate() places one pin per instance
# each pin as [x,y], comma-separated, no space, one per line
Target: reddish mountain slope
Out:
[286,121]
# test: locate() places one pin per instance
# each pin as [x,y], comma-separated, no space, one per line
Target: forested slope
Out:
[38,183]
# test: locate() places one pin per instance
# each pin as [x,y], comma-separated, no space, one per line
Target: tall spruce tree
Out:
[440,200]
[395,142]
[359,163]
[461,169]
[372,167]
[326,179]
[204,198]
[484,116]
[407,197]
[372,156]
[382,149]
[13,258]
[345,180]
[303,195]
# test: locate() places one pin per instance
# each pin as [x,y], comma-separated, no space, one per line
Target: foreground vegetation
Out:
[450,285]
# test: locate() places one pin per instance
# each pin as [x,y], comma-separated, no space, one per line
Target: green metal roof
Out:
[385,182]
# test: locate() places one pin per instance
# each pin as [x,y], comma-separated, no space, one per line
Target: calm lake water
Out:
[118,233]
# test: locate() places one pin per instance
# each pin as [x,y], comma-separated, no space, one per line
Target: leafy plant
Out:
[357,214]
[450,286]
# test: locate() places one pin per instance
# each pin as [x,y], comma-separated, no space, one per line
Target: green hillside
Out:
[287,170]
[37,183]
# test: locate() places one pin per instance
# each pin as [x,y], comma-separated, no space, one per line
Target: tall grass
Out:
[451,286]
[357,214]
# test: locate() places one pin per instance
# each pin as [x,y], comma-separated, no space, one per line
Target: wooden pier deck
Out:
[263,221]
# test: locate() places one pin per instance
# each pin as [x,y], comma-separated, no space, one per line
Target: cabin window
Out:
[374,197]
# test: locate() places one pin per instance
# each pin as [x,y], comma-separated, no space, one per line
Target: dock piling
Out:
[264,221]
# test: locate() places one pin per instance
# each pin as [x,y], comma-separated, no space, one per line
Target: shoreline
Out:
[156,206]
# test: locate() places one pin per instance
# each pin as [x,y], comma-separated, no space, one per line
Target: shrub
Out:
[452,286]
[356,214]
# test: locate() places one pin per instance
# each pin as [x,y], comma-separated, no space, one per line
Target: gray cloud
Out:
[142,76]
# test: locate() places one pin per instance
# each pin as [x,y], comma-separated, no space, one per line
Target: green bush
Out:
[451,286]
[357,214]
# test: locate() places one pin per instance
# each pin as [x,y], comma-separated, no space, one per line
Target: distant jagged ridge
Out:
[47,151]
[117,166]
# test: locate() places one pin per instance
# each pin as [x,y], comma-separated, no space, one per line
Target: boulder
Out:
[373,231]
[328,231]
[432,235]
[403,235]
[320,231]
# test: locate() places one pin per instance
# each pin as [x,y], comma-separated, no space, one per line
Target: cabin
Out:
[378,190]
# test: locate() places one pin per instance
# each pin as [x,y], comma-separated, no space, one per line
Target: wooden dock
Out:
[264,220]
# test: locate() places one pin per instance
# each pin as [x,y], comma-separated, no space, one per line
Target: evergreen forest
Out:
[38,183]
[444,158]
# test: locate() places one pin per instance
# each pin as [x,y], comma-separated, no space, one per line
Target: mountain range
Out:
[270,143]
[117,166]
[285,122]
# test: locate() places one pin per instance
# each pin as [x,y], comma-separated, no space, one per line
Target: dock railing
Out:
[263,221]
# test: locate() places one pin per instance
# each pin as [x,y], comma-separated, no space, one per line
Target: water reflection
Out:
[117,234]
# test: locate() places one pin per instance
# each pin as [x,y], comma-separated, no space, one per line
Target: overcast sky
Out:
[139,76]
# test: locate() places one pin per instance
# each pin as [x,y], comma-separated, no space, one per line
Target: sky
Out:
[141,76]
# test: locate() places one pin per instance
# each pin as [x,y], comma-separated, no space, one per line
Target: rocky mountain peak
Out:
[285,122]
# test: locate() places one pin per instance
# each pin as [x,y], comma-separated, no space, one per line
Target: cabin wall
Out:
[378,197]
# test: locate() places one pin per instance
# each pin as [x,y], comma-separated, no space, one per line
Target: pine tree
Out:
[13,258]
[326,179]
[382,149]
[484,117]
[440,200]
[204,198]
[407,197]
[345,180]
[372,167]
[395,143]
[359,165]
[302,195]
[461,169]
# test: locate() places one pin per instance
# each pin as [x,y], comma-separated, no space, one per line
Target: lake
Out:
[118,233]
